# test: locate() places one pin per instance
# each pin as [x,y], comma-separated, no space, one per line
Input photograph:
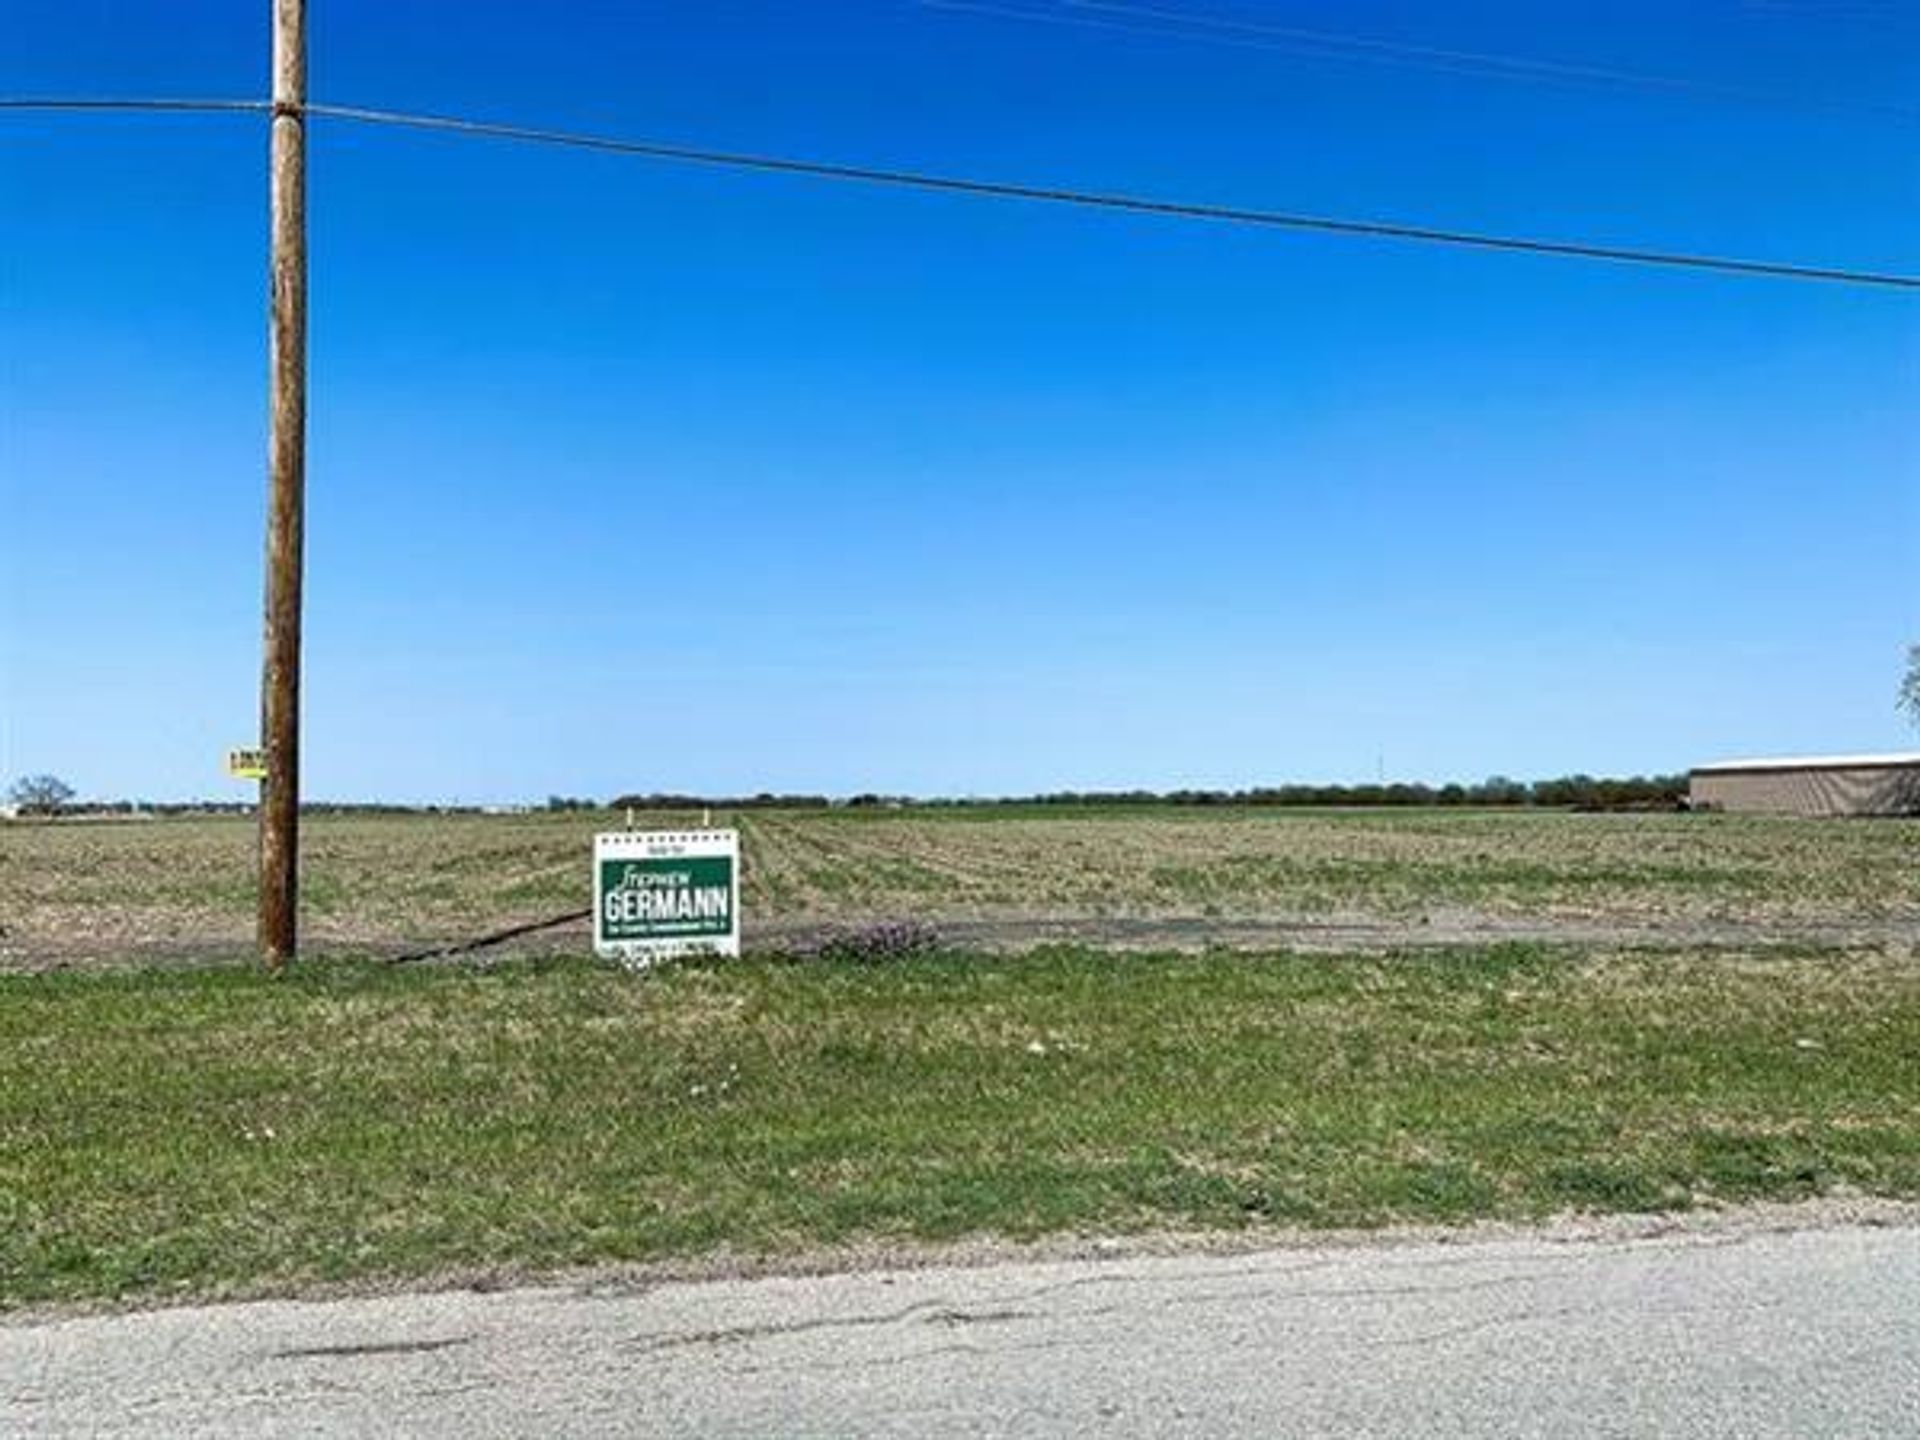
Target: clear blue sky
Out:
[627,476]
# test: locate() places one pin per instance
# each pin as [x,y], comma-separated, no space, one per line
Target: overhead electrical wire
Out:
[1116,201]
[1124,17]
[134,103]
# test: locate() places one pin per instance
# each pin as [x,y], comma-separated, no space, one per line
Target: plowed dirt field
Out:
[88,892]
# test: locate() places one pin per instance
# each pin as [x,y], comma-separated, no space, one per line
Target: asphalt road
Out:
[1802,1333]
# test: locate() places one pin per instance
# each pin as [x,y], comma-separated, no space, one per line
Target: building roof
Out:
[1895,761]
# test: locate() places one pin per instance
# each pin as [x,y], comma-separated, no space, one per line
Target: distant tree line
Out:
[247,807]
[1578,792]
[1574,792]
[666,800]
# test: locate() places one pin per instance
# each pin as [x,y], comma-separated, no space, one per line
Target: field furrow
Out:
[73,890]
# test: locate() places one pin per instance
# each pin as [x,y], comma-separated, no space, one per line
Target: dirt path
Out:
[1364,934]
[1357,934]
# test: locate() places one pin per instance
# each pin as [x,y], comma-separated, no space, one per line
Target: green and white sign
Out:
[661,893]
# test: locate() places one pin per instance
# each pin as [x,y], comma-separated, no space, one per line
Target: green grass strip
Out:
[171,1134]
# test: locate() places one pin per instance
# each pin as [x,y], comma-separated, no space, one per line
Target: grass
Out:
[114,891]
[192,1132]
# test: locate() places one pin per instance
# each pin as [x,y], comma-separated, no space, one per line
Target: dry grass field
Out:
[1725,1010]
[75,892]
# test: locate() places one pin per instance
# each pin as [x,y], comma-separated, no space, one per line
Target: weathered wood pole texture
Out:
[286,499]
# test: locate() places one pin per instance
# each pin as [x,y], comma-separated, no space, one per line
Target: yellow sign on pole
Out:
[247,764]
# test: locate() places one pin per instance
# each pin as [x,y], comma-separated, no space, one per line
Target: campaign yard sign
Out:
[662,893]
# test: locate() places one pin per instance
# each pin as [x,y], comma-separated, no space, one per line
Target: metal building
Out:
[1810,785]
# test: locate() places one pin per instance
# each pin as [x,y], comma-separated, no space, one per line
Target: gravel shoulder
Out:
[1723,1225]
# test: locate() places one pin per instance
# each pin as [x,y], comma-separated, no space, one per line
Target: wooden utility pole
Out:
[286,500]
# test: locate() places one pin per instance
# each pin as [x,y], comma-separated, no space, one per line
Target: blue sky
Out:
[627,476]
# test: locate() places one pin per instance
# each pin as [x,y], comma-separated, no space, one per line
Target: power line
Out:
[133,104]
[1309,43]
[1137,19]
[1119,201]
[1497,62]
[1112,200]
